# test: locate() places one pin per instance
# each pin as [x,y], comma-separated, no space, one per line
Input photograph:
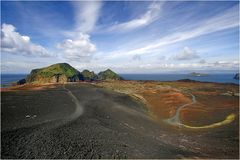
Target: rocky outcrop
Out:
[21,81]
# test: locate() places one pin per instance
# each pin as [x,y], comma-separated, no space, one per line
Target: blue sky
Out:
[126,36]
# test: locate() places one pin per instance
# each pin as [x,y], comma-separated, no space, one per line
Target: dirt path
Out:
[175,120]
[78,107]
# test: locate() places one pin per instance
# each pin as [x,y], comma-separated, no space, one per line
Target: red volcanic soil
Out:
[163,98]
[210,109]
[164,104]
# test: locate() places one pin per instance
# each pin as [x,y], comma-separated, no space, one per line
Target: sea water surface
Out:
[219,78]
[8,79]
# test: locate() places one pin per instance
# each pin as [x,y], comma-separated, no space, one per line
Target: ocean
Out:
[8,79]
[220,78]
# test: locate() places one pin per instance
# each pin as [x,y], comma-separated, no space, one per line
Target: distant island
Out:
[63,72]
[195,74]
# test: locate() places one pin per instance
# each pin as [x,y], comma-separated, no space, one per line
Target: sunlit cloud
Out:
[14,43]
[78,46]
[80,49]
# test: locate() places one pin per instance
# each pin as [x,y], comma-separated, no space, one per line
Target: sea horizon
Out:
[8,79]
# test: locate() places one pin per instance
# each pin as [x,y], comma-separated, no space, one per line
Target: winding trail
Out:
[78,107]
[175,120]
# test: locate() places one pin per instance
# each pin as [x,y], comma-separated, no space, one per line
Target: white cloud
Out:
[187,54]
[79,49]
[150,16]
[15,43]
[86,15]
[166,67]
[226,64]
[225,20]
[155,67]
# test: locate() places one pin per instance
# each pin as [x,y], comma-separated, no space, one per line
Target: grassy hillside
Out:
[108,75]
[87,75]
[59,68]
[55,73]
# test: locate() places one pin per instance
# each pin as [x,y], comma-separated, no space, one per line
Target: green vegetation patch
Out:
[109,74]
[60,68]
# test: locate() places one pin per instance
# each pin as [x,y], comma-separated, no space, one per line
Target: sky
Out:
[125,36]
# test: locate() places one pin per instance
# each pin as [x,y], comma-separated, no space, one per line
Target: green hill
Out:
[108,75]
[87,75]
[60,72]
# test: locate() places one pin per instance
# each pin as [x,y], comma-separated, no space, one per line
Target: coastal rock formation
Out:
[108,75]
[21,81]
[236,76]
[89,76]
[57,73]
